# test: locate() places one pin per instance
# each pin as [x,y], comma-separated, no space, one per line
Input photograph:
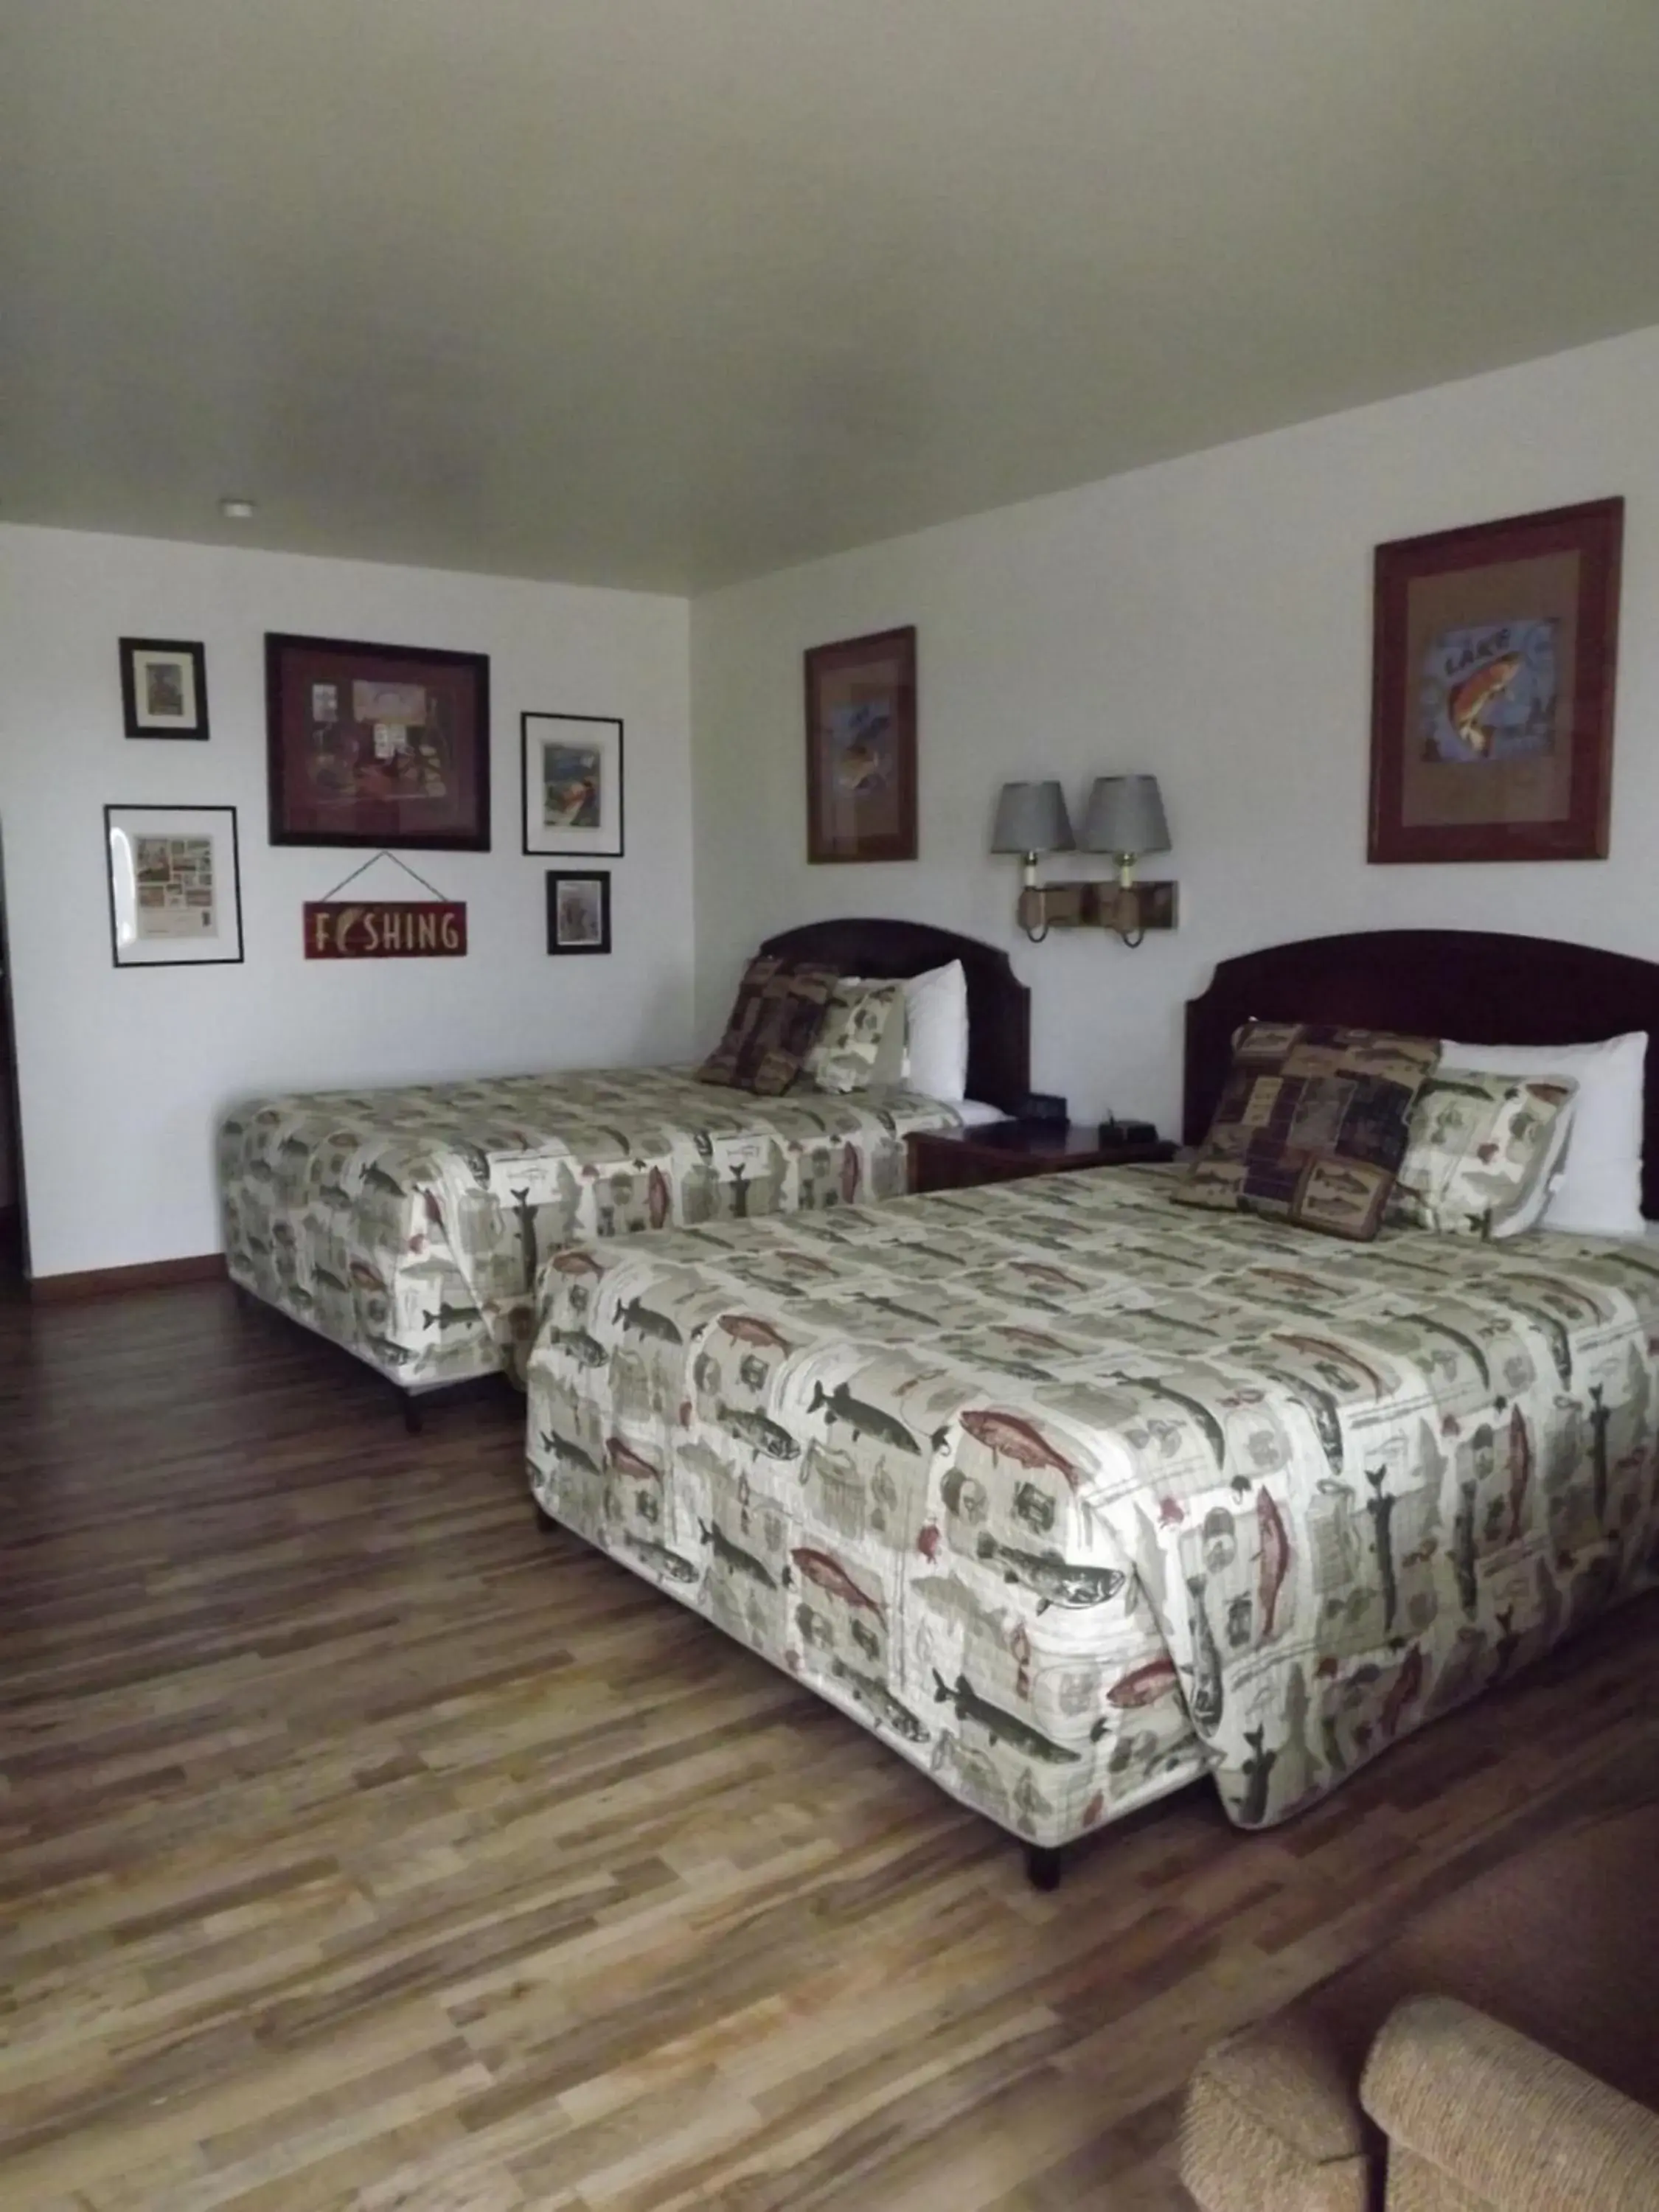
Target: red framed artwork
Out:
[377,744]
[861,748]
[1492,688]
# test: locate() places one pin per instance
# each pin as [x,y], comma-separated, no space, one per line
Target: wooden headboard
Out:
[1463,983]
[999,1004]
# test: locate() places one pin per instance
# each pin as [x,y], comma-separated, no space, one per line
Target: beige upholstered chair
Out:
[1558,1948]
[1478,2116]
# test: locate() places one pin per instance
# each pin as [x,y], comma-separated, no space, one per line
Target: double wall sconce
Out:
[1124,817]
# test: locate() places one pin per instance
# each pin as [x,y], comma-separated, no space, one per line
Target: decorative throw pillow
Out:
[778,1013]
[862,1041]
[1482,1151]
[1312,1124]
[1598,1192]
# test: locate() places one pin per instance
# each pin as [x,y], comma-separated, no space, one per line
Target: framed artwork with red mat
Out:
[1494,650]
[377,744]
[861,748]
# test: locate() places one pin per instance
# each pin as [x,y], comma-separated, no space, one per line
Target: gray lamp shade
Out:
[1126,814]
[1031,818]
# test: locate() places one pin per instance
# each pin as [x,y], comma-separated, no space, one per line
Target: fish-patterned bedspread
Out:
[408,1224]
[1070,1495]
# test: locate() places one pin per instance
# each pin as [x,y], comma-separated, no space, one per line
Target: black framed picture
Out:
[175,888]
[163,688]
[377,744]
[579,911]
[571,770]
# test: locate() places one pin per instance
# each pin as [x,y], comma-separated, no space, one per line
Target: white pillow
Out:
[1599,1191]
[936,1032]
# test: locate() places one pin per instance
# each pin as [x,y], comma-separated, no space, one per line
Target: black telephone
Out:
[1114,1132]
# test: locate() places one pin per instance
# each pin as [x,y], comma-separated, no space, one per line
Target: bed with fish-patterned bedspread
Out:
[1072,1495]
[407,1224]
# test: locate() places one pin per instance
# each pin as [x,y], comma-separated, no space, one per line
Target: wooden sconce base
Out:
[1142,906]
[1109,906]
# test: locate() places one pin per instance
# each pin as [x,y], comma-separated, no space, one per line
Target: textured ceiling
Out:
[668,292]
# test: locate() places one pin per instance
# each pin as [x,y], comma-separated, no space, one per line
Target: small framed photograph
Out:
[579,912]
[861,748]
[573,784]
[163,688]
[1493,658]
[377,744]
[175,888]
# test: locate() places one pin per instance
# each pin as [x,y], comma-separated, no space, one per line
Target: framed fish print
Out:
[163,688]
[861,748]
[175,888]
[377,744]
[1493,656]
[572,766]
[579,911]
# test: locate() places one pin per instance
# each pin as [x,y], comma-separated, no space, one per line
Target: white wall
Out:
[8,1132]
[122,1072]
[1208,619]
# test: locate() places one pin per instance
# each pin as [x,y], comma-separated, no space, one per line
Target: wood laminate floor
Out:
[361,1847]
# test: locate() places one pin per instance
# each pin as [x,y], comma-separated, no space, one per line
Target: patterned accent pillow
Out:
[771,1028]
[862,1041]
[1482,1151]
[1312,1124]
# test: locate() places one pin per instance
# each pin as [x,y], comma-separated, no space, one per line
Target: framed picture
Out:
[1492,688]
[175,888]
[377,744]
[861,748]
[573,783]
[163,688]
[579,912]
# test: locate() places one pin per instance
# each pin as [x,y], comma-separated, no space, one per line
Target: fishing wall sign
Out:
[432,928]
[390,929]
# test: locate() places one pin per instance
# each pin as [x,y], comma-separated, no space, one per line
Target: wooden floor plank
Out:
[364,1850]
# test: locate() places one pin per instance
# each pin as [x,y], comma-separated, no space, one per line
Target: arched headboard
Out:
[999,1004]
[1478,987]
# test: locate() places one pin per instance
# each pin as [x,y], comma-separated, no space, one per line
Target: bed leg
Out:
[413,1420]
[544,1520]
[1042,1865]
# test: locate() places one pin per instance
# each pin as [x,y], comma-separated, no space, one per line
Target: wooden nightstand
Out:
[1008,1151]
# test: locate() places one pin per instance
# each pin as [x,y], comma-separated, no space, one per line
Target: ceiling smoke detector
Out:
[237,509]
